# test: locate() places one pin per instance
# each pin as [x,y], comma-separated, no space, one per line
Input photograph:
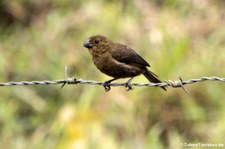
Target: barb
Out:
[66,75]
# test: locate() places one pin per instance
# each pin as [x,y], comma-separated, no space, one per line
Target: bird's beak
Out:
[88,44]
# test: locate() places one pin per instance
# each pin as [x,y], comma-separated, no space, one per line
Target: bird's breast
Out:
[102,61]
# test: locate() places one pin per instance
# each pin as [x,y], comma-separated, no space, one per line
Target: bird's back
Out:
[125,54]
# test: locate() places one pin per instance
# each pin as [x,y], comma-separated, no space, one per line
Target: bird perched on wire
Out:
[118,61]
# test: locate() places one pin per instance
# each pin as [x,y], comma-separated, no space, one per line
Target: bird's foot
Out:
[107,86]
[128,85]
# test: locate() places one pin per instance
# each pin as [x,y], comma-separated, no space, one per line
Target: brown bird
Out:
[118,61]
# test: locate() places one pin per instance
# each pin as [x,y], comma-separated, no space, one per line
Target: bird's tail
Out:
[152,78]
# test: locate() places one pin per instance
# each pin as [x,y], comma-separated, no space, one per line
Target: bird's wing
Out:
[124,54]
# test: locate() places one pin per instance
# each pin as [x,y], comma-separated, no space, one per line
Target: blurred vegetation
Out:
[178,38]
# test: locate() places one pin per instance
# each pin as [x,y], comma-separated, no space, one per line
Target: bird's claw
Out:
[128,86]
[107,86]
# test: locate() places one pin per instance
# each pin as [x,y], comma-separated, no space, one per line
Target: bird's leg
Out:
[128,84]
[106,84]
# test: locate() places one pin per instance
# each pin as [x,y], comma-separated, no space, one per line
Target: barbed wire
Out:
[73,80]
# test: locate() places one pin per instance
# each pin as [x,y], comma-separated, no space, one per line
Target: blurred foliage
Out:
[178,38]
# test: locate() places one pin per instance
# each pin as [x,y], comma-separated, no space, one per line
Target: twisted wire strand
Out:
[170,83]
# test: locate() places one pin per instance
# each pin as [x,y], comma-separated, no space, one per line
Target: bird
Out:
[118,61]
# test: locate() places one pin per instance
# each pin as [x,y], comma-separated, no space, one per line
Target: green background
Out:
[183,38]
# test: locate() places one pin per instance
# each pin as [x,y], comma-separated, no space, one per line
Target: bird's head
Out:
[98,43]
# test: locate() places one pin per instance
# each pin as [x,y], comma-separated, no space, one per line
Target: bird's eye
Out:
[96,41]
